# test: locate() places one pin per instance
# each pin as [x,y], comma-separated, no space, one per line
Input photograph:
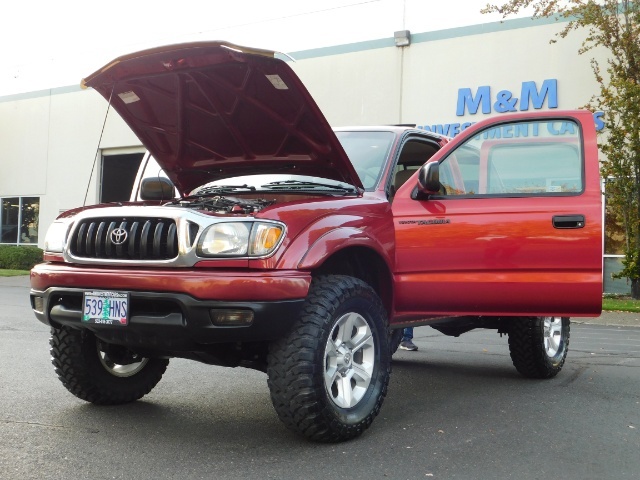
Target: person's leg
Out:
[407,340]
[407,333]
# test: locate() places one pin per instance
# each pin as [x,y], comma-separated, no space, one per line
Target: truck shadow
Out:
[237,417]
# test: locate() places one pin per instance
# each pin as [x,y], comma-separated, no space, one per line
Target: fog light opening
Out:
[38,304]
[231,318]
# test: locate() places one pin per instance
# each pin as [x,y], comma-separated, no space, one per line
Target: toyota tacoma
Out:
[303,251]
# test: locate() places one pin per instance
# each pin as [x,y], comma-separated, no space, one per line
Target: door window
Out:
[517,159]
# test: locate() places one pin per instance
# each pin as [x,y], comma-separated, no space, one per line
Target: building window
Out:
[19,218]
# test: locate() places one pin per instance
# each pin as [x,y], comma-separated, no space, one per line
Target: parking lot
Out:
[456,408]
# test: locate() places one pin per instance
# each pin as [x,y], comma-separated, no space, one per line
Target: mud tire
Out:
[539,345]
[395,338]
[300,365]
[82,369]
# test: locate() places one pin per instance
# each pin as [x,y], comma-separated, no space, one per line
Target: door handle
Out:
[568,221]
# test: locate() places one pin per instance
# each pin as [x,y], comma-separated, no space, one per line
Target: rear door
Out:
[517,228]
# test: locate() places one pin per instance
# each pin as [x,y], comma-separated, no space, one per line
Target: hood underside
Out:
[211,110]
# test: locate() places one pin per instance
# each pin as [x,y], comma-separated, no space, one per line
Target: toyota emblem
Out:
[119,236]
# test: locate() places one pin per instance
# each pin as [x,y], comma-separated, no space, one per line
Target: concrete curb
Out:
[612,319]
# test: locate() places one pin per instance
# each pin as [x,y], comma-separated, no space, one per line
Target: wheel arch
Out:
[360,261]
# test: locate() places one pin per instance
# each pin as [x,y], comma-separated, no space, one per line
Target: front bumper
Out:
[179,312]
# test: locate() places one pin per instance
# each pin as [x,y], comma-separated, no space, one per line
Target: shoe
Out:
[408,345]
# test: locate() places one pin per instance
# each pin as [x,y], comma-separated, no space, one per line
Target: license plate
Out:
[106,308]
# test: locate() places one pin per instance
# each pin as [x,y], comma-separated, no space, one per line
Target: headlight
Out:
[239,239]
[225,239]
[56,237]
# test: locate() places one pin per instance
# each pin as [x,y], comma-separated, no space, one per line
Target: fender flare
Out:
[336,240]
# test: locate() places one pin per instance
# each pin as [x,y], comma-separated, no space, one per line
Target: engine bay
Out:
[224,204]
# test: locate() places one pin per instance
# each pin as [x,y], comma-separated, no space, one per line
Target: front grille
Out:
[125,239]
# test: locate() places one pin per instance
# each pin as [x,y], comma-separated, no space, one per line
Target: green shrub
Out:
[19,258]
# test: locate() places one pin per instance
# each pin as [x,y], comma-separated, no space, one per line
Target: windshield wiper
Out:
[215,189]
[302,185]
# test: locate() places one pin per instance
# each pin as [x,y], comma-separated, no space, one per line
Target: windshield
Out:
[367,151]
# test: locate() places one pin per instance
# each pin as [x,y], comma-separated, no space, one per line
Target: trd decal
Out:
[433,221]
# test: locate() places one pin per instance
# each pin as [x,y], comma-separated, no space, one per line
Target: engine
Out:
[224,205]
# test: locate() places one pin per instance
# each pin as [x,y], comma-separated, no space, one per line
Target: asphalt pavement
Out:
[455,409]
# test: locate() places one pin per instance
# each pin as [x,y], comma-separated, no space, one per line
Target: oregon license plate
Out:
[106,308]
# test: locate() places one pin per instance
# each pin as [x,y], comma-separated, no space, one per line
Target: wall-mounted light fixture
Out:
[402,38]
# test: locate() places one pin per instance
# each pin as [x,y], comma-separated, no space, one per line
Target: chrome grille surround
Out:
[172,235]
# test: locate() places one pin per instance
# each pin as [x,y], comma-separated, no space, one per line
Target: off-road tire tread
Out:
[395,339]
[526,348]
[72,355]
[292,364]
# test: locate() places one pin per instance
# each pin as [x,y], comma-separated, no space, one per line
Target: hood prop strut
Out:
[95,157]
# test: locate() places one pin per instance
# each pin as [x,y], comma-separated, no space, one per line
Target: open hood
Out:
[211,110]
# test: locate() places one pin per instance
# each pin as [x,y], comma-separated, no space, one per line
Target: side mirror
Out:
[156,188]
[429,178]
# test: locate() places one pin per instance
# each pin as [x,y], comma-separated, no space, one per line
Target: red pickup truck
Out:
[303,251]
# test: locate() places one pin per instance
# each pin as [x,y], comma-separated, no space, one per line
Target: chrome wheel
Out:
[118,370]
[552,334]
[349,360]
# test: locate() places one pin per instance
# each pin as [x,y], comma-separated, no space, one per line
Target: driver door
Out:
[516,228]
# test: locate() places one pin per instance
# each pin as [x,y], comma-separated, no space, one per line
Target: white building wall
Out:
[356,88]
[50,139]
[48,146]
[24,144]
[379,86]
[435,70]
